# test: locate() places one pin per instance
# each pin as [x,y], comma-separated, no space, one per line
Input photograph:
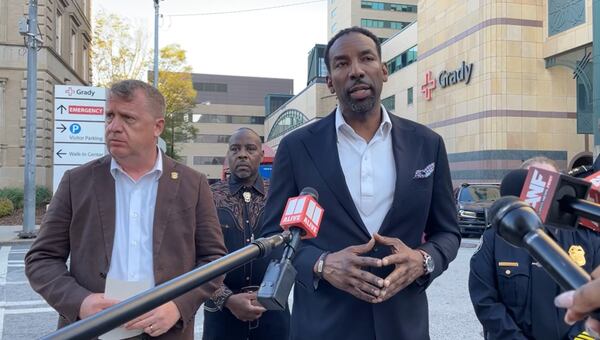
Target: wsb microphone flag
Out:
[552,196]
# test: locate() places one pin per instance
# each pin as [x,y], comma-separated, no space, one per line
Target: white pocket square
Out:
[425,172]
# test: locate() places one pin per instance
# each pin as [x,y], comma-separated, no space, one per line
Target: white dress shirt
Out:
[131,258]
[369,169]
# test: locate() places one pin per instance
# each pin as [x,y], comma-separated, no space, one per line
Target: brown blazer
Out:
[80,223]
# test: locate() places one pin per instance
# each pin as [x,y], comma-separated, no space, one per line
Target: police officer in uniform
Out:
[233,313]
[512,294]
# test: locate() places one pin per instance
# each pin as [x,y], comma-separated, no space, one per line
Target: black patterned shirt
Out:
[240,211]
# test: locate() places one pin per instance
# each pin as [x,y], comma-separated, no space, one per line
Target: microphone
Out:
[581,171]
[519,224]
[557,198]
[593,196]
[302,217]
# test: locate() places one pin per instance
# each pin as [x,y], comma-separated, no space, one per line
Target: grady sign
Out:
[446,78]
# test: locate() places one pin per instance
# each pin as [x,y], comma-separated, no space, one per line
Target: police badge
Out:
[577,254]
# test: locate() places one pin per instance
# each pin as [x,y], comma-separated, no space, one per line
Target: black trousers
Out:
[222,325]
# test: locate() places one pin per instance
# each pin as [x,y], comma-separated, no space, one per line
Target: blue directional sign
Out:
[78,127]
[75,128]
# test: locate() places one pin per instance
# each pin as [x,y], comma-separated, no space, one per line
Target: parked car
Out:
[472,203]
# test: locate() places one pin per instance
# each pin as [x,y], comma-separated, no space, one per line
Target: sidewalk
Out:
[9,234]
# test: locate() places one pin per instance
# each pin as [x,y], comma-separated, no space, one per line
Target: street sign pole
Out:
[30,124]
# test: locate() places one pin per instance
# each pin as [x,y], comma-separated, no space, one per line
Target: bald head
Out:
[244,131]
[244,155]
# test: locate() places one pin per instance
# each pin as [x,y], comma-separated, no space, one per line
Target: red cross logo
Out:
[70,91]
[429,86]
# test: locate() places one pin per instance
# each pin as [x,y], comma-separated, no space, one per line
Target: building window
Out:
[72,48]
[59,26]
[333,13]
[386,6]
[220,139]
[226,119]
[2,108]
[373,23]
[85,63]
[402,60]
[289,120]
[333,28]
[409,96]
[212,139]
[210,87]
[208,160]
[389,103]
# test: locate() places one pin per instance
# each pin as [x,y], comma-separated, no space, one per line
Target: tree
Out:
[175,83]
[119,52]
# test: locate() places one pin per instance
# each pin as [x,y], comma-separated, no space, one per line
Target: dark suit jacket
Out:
[80,223]
[309,157]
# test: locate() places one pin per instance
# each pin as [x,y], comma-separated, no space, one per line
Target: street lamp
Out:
[156,10]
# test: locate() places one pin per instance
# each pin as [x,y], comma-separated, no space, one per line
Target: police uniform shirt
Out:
[513,295]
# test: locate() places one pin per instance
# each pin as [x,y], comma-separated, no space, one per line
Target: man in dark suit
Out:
[389,226]
[135,215]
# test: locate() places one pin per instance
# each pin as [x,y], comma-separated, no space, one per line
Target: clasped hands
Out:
[344,269]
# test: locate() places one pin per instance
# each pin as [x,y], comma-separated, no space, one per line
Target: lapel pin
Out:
[174,175]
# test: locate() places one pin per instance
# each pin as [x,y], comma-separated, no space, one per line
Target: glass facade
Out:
[274,101]
[402,60]
[316,63]
[373,23]
[289,120]
[226,119]
[564,15]
[386,6]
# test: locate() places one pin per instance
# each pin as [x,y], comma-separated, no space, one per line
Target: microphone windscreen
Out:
[512,183]
[310,191]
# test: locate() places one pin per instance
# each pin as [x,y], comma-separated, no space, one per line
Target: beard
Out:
[362,106]
[359,106]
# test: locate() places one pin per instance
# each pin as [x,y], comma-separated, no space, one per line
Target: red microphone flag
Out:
[593,196]
[303,212]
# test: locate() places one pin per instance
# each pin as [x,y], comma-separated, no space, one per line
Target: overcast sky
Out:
[267,43]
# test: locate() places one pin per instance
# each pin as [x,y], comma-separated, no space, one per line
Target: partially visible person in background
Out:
[512,294]
[233,313]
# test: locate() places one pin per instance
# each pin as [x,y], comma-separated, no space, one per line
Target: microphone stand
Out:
[139,304]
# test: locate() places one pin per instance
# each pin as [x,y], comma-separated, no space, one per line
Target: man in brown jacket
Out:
[135,215]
